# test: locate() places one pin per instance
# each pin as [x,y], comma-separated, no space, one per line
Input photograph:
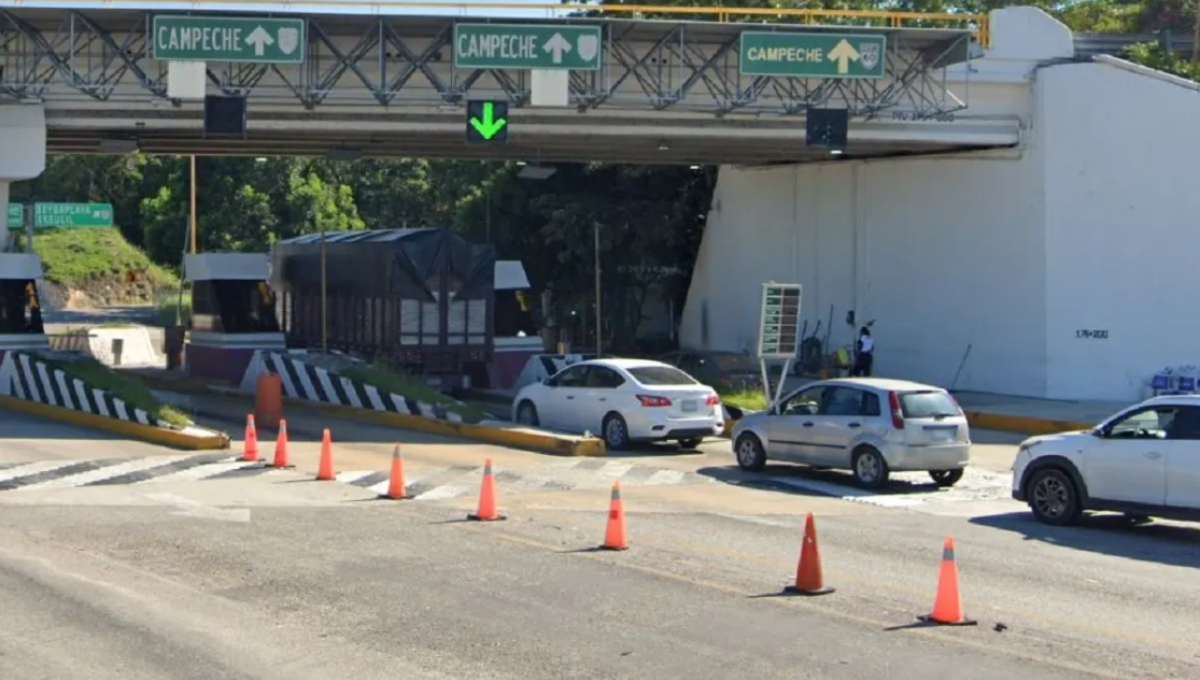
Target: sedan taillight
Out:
[713,400]
[648,400]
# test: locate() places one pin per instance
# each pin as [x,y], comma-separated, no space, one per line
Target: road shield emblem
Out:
[588,46]
[869,56]
[289,40]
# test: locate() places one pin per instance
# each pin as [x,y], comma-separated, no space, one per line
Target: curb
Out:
[1022,424]
[148,433]
[557,445]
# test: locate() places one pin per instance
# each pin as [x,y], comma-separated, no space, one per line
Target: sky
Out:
[475,8]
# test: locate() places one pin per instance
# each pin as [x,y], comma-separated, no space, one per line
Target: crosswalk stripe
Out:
[103,473]
[203,471]
[34,469]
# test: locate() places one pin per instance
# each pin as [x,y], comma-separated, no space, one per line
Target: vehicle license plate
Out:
[942,434]
[688,406]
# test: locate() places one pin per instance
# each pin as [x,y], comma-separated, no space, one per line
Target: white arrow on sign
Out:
[260,38]
[843,53]
[557,46]
[190,508]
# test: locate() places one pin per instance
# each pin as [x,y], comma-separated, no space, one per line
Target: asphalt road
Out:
[273,575]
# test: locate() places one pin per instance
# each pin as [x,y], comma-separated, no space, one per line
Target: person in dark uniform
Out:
[864,354]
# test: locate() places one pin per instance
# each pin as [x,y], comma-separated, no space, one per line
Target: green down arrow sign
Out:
[487,121]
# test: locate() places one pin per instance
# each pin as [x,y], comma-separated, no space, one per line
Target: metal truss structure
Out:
[105,55]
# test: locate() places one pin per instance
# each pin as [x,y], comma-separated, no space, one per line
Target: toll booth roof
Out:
[510,275]
[226,267]
[371,236]
[20,266]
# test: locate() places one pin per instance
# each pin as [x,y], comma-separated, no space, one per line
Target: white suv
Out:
[1144,462]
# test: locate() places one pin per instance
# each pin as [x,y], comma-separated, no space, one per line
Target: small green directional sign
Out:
[487,122]
[813,55]
[47,215]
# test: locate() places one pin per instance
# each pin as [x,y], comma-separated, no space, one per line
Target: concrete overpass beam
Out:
[22,151]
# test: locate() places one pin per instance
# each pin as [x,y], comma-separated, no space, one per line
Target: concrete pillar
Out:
[23,140]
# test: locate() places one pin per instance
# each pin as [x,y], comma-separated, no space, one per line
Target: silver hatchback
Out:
[870,426]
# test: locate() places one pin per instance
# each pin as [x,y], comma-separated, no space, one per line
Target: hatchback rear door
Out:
[932,418]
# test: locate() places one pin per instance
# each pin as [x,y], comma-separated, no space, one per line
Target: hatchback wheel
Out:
[616,432]
[946,478]
[1053,498]
[751,456]
[870,469]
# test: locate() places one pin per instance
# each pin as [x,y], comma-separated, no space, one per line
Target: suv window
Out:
[1185,425]
[573,376]
[661,375]
[928,404]
[1150,423]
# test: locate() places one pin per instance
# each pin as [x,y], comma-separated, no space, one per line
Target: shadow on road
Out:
[1109,534]
[798,479]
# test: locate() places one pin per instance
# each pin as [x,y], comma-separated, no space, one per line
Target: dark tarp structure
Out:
[417,297]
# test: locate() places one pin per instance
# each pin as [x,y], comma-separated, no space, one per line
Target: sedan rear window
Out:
[928,404]
[661,375]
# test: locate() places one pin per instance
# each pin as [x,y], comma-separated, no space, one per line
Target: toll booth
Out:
[517,338]
[21,326]
[233,313]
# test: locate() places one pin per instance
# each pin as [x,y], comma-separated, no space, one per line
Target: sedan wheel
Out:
[616,434]
[527,414]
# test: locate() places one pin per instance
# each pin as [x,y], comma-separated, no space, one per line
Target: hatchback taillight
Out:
[713,400]
[648,400]
[897,414]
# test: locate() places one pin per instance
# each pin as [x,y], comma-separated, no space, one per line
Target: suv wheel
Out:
[870,469]
[750,453]
[690,444]
[1053,498]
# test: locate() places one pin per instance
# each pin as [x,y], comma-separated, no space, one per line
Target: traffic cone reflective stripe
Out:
[397,489]
[281,447]
[614,535]
[250,441]
[809,578]
[487,497]
[947,604]
[325,469]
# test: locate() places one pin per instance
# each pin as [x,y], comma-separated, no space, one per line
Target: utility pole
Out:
[596,263]
[192,202]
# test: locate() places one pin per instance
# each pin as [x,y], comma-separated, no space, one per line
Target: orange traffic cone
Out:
[397,489]
[947,606]
[250,441]
[281,446]
[487,497]
[809,580]
[325,469]
[614,536]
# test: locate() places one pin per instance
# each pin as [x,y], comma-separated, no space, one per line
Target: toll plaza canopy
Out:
[347,80]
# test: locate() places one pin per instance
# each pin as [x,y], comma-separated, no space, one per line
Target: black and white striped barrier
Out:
[26,377]
[303,381]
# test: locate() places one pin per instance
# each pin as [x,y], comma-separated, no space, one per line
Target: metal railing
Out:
[1091,44]
[976,23]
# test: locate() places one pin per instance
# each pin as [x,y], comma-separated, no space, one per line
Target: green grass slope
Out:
[77,257]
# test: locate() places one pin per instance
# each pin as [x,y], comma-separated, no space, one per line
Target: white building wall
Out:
[944,254]
[1122,241]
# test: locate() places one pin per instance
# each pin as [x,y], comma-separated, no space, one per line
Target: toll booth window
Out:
[234,307]
[20,309]
[513,315]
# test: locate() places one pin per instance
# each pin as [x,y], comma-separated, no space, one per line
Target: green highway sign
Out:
[240,39]
[525,46]
[62,215]
[487,121]
[779,322]
[812,55]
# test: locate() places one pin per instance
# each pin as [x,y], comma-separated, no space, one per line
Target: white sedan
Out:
[1143,462]
[626,400]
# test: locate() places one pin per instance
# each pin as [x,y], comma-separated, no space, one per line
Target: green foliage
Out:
[71,256]
[750,400]
[130,390]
